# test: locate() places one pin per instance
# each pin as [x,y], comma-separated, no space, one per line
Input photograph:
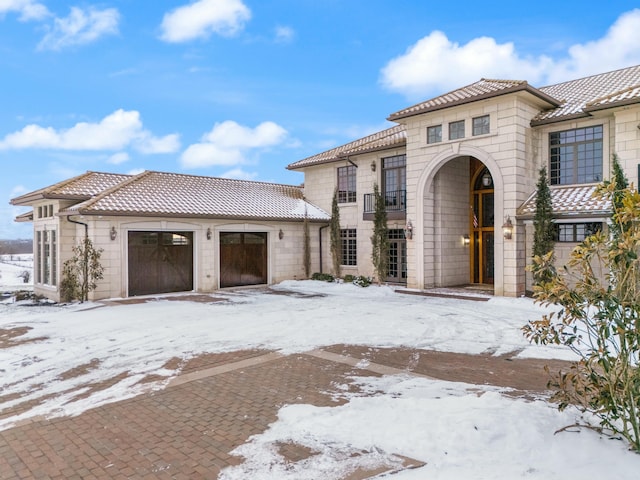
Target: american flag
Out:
[475,217]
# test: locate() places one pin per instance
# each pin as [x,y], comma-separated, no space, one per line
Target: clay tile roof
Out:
[177,195]
[389,138]
[578,200]
[596,92]
[485,88]
[82,187]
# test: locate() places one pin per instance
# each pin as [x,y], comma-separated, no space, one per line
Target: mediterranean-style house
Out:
[458,173]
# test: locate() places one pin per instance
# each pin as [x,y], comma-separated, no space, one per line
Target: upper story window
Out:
[575,232]
[575,156]
[394,181]
[45,211]
[434,134]
[456,130]
[480,125]
[347,184]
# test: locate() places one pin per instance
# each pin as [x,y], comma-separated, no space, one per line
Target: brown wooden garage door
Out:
[243,259]
[160,262]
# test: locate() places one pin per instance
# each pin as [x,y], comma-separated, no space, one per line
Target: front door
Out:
[482,227]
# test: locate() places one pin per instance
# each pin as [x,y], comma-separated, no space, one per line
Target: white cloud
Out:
[228,142]
[436,64]
[202,18]
[284,34]
[618,48]
[118,158]
[116,131]
[239,174]
[80,27]
[136,171]
[27,9]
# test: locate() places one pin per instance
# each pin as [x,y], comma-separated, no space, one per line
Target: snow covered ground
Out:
[459,430]
[12,270]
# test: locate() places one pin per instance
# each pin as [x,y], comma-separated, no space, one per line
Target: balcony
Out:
[395,202]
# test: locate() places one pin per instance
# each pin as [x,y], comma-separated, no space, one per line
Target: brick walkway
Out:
[187,430]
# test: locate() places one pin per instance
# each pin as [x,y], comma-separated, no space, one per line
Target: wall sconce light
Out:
[113,233]
[408,230]
[373,165]
[466,240]
[280,234]
[209,233]
[486,179]
[507,229]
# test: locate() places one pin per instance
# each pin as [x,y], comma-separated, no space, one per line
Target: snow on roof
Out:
[569,200]
[81,187]
[391,137]
[170,194]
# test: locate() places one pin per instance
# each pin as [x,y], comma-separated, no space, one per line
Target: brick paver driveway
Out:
[187,430]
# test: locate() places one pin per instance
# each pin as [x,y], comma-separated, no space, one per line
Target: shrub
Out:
[323,277]
[362,281]
[598,320]
[348,278]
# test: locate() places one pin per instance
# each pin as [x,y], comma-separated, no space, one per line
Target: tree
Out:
[543,225]
[599,320]
[621,184]
[306,260]
[380,237]
[81,272]
[334,232]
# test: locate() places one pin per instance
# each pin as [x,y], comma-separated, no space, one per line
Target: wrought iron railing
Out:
[395,201]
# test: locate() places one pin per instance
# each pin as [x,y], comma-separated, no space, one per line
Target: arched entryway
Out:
[481,224]
[448,246]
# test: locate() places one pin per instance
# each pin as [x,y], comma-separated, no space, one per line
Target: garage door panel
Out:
[160,262]
[243,259]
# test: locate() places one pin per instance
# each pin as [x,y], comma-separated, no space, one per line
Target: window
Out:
[456,130]
[576,156]
[575,232]
[347,184]
[394,178]
[349,246]
[480,125]
[434,134]
[46,257]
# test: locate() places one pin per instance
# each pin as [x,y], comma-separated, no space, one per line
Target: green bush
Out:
[598,320]
[362,281]
[323,277]
[348,278]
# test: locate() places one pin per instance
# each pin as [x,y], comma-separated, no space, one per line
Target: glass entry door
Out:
[482,228]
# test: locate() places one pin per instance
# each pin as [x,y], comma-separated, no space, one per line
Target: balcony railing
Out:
[395,201]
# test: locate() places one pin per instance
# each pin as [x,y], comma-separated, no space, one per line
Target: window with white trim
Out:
[46,257]
[434,134]
[456,130]
[480,125]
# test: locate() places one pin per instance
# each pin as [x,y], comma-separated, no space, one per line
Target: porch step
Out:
[459,294]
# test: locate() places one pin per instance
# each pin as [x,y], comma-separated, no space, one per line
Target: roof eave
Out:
[517,88]
[563,118]
[185,215]
[344,155]
[606,106]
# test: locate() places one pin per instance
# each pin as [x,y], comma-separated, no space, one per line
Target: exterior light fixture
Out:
[373,165]
[113,233]
[466,240]
[486,179]
[280,234]
[209,233]
[507,229]
[408,230]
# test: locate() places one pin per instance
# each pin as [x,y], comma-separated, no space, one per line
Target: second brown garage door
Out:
[243,259]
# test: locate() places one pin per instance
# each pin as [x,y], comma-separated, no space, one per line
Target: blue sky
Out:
[242,88]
